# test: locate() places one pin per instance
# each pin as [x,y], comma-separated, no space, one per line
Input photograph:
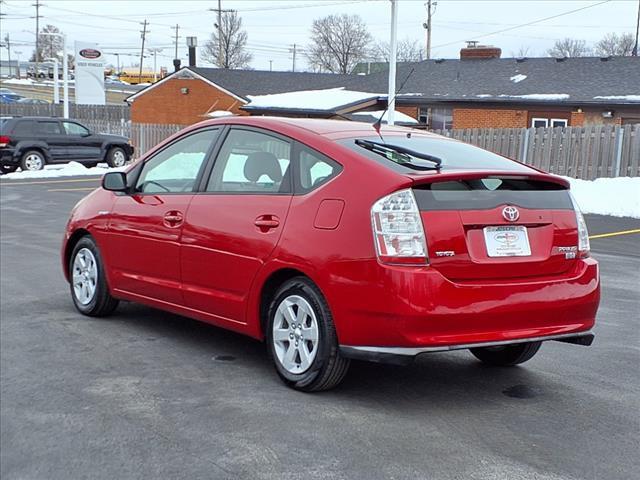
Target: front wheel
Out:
[89,289]
[117,157]
[506,355]
[301,338]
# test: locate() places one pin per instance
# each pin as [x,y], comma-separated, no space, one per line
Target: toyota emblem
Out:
[511,214]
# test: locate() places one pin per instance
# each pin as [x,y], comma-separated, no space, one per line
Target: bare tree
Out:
[523,51]
[569,47]
[234,44]
[50,46]
[616,45]
[338,43]
[408,51]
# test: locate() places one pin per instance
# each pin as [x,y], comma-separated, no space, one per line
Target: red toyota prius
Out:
[334,240]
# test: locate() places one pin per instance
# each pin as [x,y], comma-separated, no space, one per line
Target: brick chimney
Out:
[474,51]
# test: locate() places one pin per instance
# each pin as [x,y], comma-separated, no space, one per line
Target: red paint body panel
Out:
[214,266]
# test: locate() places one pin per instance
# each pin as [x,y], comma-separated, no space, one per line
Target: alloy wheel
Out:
[118,158]
[33,162]
[295,334]
[85,276]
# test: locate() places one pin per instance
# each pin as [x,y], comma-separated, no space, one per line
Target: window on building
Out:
[539,122]
[559,122]
[436,118]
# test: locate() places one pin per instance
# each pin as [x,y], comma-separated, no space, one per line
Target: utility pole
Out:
[293,67]
[177,27]
[37,5]
[155,52]
[8,43]
[18,53]
[143,34]
[218,25]
[431,9]
[391,92]
[118,67]
[635,47]
[271,65]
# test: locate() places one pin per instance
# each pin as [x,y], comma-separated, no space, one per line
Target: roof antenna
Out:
[378,123]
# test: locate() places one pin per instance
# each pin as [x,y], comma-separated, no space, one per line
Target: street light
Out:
[18,53]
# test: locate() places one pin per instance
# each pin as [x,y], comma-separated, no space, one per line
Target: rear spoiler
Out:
[448,175]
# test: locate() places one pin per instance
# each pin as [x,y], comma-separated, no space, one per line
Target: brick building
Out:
[478,90]
[481,90]
[192,94]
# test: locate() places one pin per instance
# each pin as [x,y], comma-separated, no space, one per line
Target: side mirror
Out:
[115,181]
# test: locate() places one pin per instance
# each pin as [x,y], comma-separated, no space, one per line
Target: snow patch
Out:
[219,114]
[518,78]
[310,99]
[630,98]
[71,169]
[484,95]
[618,197]
[540,96]
[399,116]
[18,81]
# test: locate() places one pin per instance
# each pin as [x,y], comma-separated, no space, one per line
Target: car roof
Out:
[332,129]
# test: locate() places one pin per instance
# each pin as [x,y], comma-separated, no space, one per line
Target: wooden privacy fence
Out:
[581,152]
[83,113]
[145,136]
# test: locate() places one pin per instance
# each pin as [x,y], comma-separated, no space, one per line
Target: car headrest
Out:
[262,163]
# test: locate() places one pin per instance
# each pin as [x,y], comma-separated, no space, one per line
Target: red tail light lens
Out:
[4,140]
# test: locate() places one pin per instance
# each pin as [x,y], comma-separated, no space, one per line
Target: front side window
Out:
[176,168]
[252,162]
[316,169]
[75,129]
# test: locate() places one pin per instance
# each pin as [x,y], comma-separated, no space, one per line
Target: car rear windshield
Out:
[454,155]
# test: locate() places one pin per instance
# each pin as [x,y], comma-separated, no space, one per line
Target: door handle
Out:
[266,222]
[173,219]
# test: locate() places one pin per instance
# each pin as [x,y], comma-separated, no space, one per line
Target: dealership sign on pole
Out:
[89,74]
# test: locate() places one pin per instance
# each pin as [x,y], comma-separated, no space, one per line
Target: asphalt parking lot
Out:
[147,394]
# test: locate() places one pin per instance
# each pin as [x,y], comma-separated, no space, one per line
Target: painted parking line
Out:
[615,234]
[85,189]
[46,182]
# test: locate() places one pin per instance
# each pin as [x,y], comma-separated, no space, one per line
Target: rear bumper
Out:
[7,157]
[408,311]
[404,355]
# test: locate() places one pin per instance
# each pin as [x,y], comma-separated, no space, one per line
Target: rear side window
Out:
[487,193]
[252,162]
[75,129]
[315,170]
[454,155]
[48,128]
[24,127]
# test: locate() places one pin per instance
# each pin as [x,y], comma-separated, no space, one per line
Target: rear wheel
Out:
[301,338]
[506,355]
[117,157]
[32,160]
[89,289]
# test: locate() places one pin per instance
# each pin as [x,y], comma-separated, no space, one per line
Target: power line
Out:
[526,24]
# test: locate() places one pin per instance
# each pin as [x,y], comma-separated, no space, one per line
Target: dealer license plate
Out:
[507,241]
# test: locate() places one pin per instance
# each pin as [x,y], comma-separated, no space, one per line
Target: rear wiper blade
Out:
[402,154]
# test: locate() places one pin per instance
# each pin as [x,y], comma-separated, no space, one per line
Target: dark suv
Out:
[32,142]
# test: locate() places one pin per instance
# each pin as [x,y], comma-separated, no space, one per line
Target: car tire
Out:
[506,355]
[88,282]
[117,157]
[316,363]
[32,161]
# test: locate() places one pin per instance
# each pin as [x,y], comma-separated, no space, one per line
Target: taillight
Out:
[398,231]
[4,140]
[583,234]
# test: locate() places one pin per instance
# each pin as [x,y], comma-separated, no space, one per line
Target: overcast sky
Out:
[274,26]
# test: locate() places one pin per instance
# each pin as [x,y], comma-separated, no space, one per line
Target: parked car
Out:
[10,97]
[331,242]
[32,142]
[34,101]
